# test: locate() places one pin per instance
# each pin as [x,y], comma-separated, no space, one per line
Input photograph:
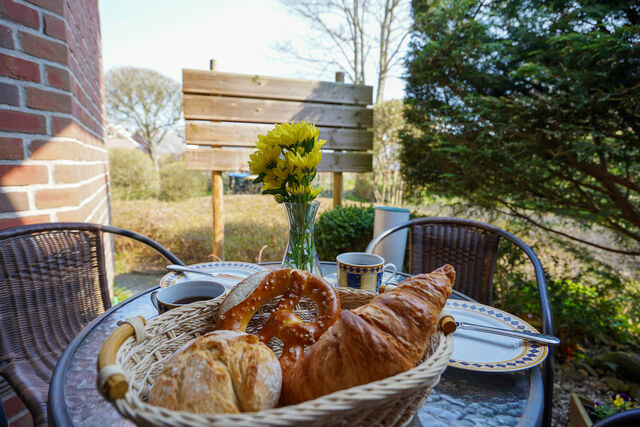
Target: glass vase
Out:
[301,248]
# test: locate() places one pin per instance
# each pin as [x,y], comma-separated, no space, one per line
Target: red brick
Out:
[62,127]
[75,215]
[20,13]
[57,198]
[17,121]
[55,27]
[88,190]
[54,150]
[23,174]
[24,220]
[50,101]
[44,48]
[13,405]
[17,68]
[82,214]
[13,202]
[90,171]
[65,127]
[58,77]
[55,6]
[66,174]
[24,421]
[11,149]
[6,37]
[9,94]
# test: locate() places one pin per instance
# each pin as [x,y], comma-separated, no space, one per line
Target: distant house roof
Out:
[116,136]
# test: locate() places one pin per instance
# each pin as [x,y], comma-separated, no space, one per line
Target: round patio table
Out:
[461,398]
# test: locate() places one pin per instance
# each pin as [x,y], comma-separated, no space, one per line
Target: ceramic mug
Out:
[361,270]
[186,292]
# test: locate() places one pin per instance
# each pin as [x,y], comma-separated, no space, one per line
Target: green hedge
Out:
[178,183]
[133,175]
[344,229]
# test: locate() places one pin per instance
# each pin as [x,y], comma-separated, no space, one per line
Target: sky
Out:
[169,35]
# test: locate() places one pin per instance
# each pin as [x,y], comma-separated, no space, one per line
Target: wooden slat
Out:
[222,108]
[228,159]
[255,86]
[246,135]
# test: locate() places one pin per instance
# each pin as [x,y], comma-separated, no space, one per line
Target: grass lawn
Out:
[184,227]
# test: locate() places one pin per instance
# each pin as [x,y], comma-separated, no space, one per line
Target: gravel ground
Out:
[566,381]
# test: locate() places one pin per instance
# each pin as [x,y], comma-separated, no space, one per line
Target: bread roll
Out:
[387,336]
[220,372]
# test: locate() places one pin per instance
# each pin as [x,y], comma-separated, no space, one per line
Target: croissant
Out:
[387,336]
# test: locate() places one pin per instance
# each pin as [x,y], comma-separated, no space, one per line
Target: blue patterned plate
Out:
[240,269]
[479,351]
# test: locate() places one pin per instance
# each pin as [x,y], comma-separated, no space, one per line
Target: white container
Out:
[393,247]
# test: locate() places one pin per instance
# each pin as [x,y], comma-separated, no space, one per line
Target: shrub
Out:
[363,188]
[591,307]
[178,183]
[133,175]
[344,229]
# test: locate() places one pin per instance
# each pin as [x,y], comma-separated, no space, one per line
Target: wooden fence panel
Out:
[246,135]
[230,109]
[255,86]
[236,160]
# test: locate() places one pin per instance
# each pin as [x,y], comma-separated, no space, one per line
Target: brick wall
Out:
[53,159]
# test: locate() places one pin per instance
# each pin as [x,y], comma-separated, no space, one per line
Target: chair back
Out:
[472,251]
[52,284]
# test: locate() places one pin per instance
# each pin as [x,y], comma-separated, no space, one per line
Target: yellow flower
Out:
[265,157]
[272,180]
[619,401]
[288,154]
[314,157]
[297,190]
[288,134]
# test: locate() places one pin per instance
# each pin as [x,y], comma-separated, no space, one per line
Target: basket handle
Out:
[111,379]
[447,323]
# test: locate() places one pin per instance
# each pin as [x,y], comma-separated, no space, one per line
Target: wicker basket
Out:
[391,401]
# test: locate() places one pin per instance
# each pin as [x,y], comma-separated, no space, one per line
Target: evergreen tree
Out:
[528,106]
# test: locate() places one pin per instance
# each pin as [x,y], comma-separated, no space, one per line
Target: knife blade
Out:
[531,336]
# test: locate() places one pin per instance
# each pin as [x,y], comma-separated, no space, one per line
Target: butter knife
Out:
[174,267]
[531,336]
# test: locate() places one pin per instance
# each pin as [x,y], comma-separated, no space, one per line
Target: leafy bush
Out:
[363,189]
[178,183]
[591,307]
[133,175]
[344,229]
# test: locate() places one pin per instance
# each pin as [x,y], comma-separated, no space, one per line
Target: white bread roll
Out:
[220,372]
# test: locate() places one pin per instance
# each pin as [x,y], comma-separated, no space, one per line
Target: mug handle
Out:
[154,299]
[390,267]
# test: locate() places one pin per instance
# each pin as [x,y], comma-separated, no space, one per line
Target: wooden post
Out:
[337,176]
[217,204]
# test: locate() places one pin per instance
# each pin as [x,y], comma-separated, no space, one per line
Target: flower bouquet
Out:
[286,161]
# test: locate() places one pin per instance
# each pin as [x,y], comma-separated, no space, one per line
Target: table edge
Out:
[59,416]
[56,407]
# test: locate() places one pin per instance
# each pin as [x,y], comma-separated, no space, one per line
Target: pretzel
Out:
[249,295]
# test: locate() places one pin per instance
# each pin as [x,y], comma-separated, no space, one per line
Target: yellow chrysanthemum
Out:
[289,153]
[265,157]
[288,134]
[272,179]
[297,190]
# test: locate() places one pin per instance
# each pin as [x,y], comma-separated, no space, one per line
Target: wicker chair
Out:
[472,248]
[52,283]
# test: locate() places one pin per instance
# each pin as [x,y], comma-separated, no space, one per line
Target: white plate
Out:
[333,279]
[479,351]
[240,269]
